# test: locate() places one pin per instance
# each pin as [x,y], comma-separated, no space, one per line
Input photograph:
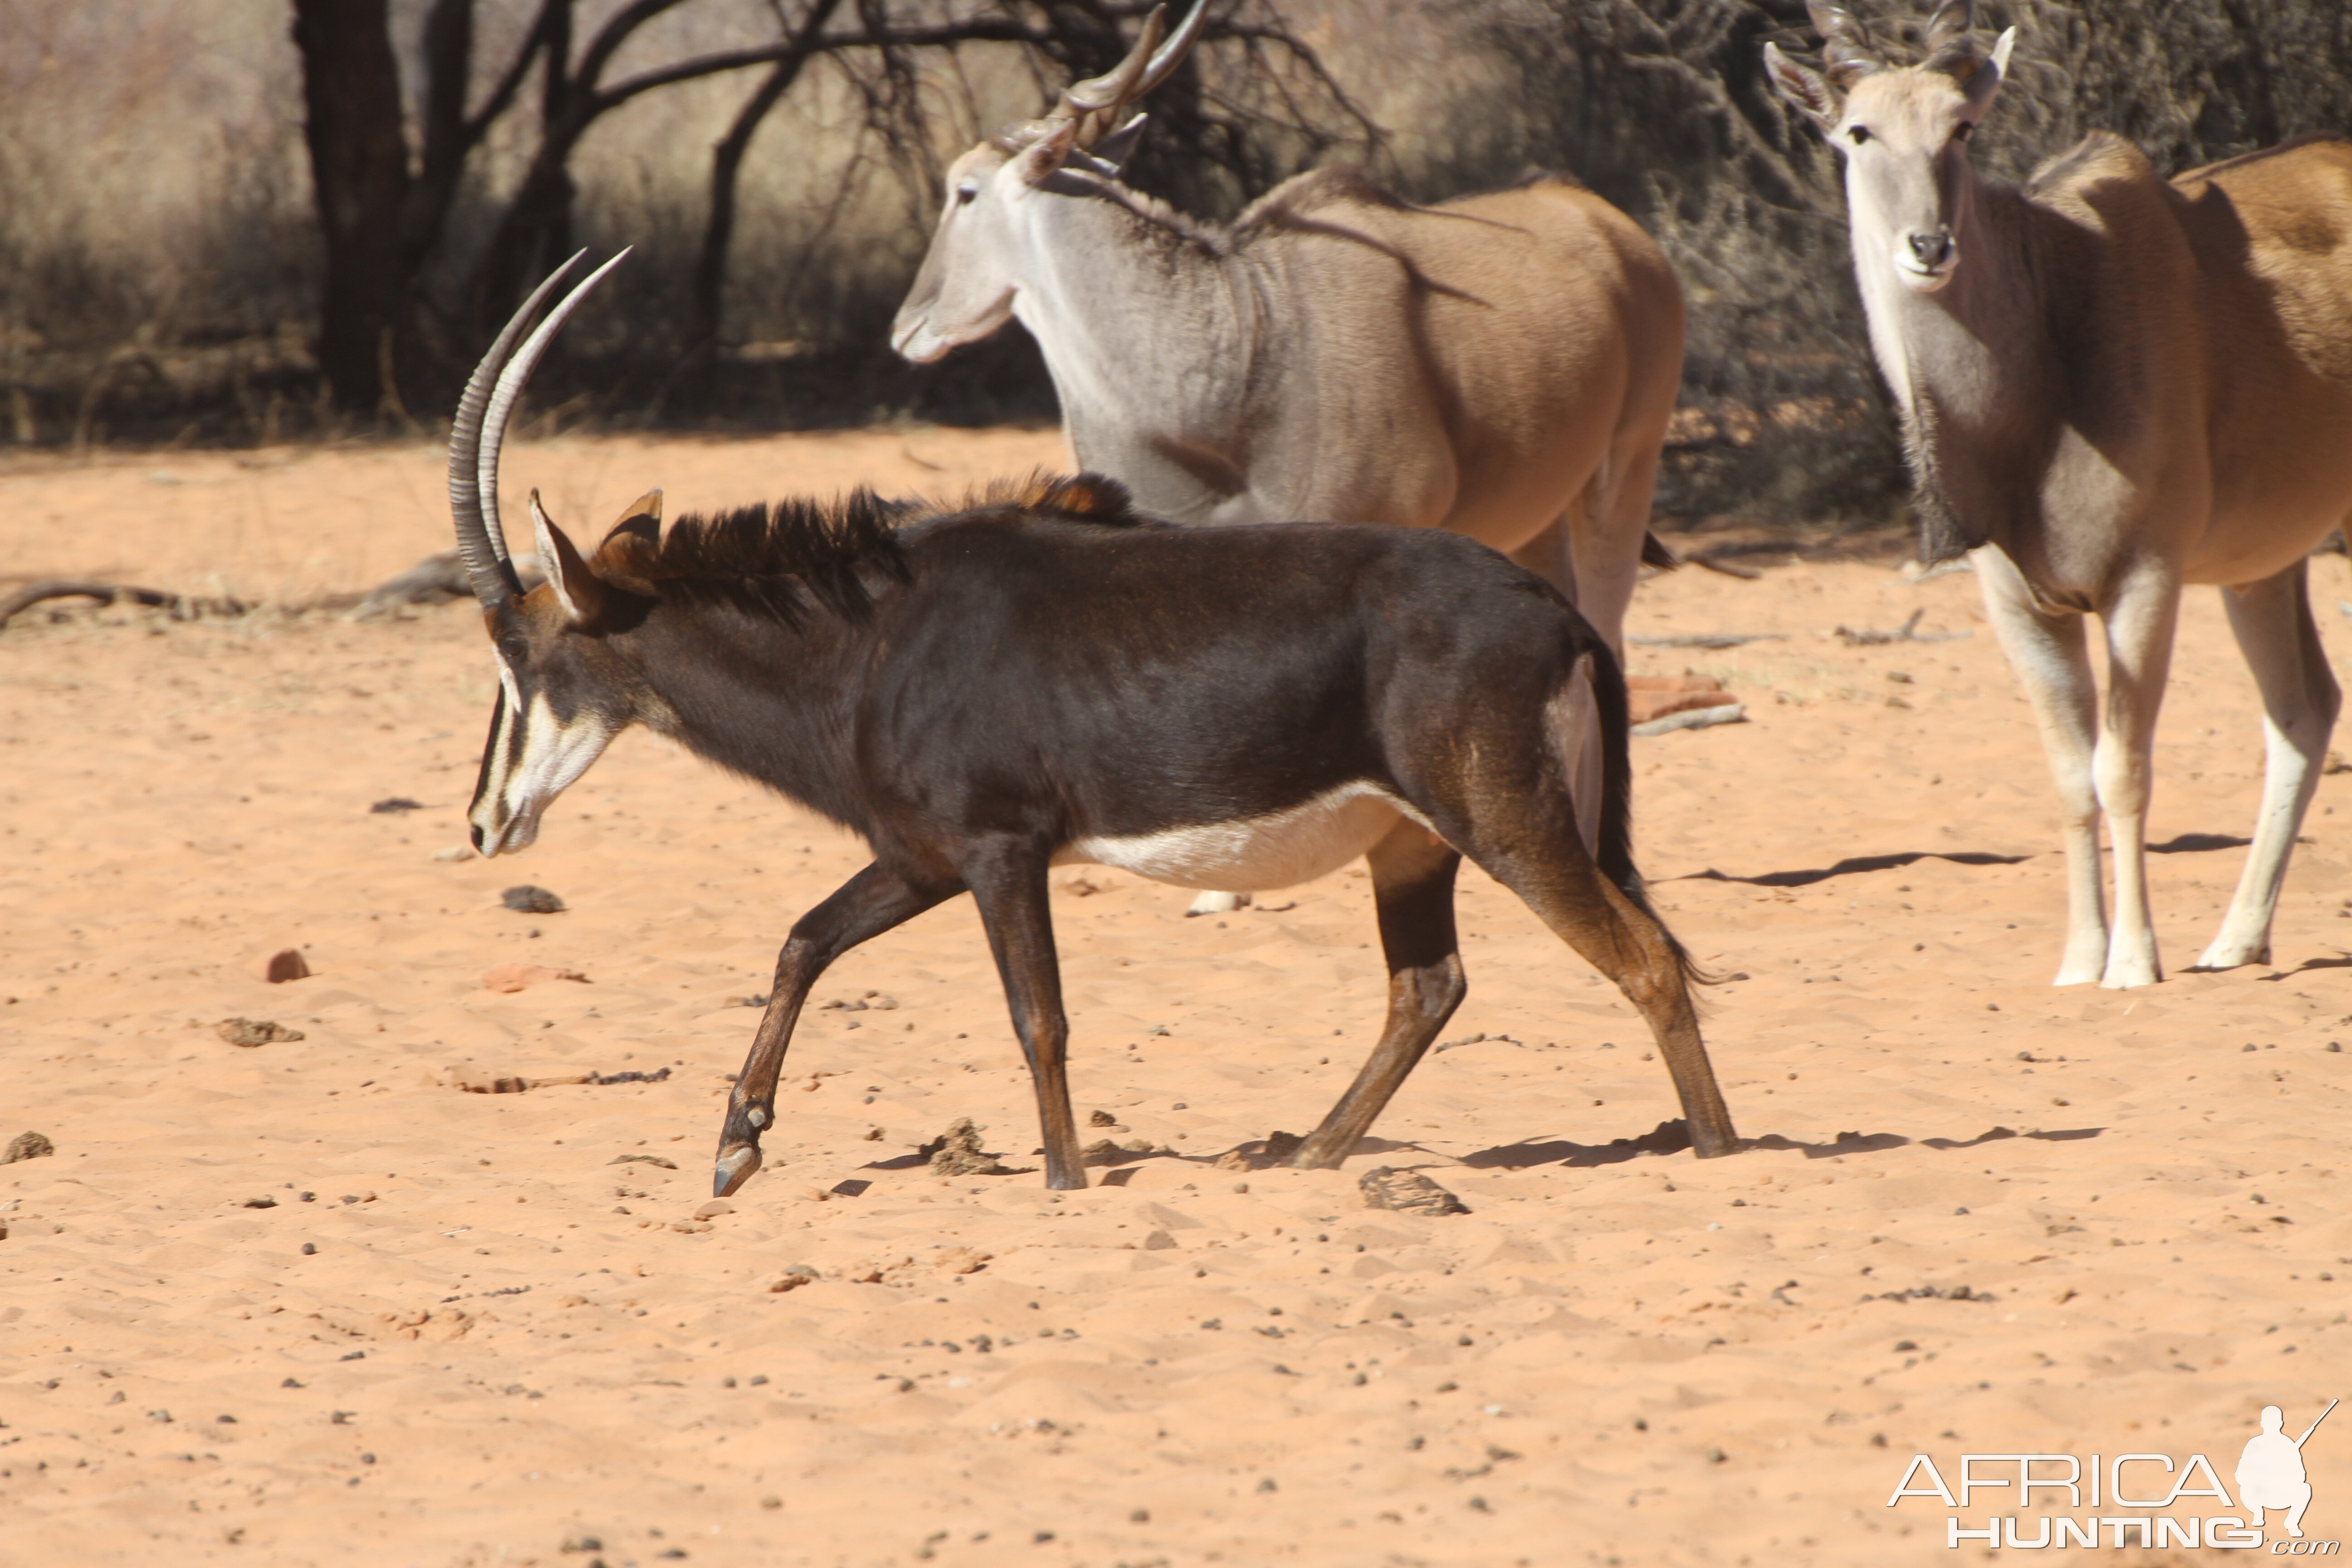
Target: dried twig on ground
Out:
[180,606]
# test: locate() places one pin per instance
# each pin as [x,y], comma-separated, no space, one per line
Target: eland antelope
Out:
[1502,366]
[965,689]
[2111,385]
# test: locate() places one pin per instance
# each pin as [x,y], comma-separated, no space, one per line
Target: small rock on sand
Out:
[643,1160]
[1103,1151]
[255,1032]
[1408,1192]
[285,965]
[513,977]
[532,900]
[957,1152]
[1282,1145]
[27,1146]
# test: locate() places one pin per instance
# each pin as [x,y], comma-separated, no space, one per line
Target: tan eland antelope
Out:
[2111,385]
[1503,365]
[964,686]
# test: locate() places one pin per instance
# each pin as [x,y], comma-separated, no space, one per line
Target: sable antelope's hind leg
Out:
[1546,865]
[1008,882]
[2047,651]
[1413,885]
[865,907]
[2300,700]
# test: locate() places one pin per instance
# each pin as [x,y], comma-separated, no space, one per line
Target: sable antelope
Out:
[1044,676]
[1503,365]
[2111,384]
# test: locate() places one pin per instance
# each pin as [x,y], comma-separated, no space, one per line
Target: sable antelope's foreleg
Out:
[1412,889]
[2272,622]
[2139,622]
[1008,882]
[865,907]
[2047,650]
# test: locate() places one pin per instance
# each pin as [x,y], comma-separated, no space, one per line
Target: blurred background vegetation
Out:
[166,231]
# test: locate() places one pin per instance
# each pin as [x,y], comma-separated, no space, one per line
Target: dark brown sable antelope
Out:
[1044,676]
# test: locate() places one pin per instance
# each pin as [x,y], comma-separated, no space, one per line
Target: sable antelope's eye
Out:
[967,194]
[1860,133]
[1961,132]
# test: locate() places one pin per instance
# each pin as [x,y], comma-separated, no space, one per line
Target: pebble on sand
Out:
[532,900]
[285,964]
[256,1032]
[1407,1192]
[27,1146]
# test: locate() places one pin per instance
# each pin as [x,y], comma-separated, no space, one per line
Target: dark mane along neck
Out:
[780,560]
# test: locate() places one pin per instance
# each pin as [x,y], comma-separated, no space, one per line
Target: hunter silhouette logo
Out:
[2127,1500]
[2270,1473]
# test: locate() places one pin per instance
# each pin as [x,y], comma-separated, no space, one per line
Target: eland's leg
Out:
[1007,877]
[1605,543]
[1412,889]
[2047,650]
[863,908]
[2139,622]
[2272,622]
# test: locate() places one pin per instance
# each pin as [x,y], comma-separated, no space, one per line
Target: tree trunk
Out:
[359,167]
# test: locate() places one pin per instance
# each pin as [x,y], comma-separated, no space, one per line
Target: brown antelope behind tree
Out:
[2111,385]
[1502,366]
[1044,676]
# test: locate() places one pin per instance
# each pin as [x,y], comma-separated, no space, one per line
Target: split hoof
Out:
[1217,904]
[734,1168]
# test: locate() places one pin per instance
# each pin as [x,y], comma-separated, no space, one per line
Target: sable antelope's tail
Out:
[1615,850]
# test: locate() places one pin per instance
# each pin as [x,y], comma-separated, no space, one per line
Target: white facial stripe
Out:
[1256,854]
[519,788]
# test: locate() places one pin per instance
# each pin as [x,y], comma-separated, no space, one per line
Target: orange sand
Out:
[506,1345]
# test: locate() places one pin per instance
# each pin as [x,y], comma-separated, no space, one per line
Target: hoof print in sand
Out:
[1103,1151]
[512,977]
[285,965]
[1408,1192]
[255,1032]
[532,900]
[957,1152]
[27,1146]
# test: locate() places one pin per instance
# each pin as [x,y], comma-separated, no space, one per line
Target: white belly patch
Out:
[1255,854]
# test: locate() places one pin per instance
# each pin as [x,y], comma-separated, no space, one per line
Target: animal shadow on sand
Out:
[1851,866]
[1669,1137]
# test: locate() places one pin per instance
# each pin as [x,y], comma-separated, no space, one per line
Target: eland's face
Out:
[1905,136]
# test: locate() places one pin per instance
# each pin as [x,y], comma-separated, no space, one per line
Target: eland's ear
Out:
[1118,147]
[580,591]
[1986,79]
[1043,159]
[1804,88]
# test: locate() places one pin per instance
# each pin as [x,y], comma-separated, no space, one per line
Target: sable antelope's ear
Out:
[1043,159]
[1804,88]
[579,590]
[1118,147]
[630,545]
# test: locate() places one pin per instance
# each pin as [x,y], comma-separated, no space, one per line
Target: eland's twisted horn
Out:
[1949,45]
[1952,22]
[1096,101]
[1847,52]
[479,431]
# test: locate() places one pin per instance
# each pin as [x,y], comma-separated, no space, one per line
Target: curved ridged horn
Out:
[1953,21]
[479,431]
[1096,101]
[1847,52]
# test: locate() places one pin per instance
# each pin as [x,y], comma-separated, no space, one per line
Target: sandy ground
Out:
[312,1302]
